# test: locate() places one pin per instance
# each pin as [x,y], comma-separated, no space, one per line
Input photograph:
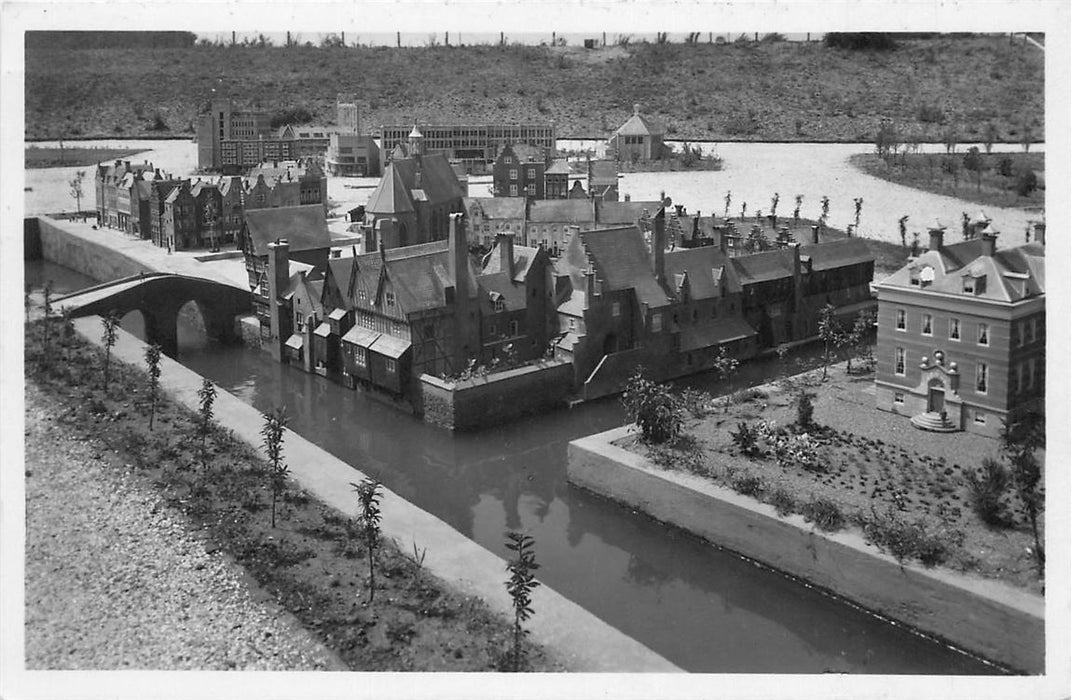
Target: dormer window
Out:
[390,298]
[500,305]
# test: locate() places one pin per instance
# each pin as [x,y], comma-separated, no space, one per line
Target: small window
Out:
[898,397]
[953,329]
[979,418]
[1031,372]
[927,324]
[500,305]
[615,309]
[983,334]
[361,357]
[531,173]
[572,324]
[1022,333]
[492,330]
[390,298]
[981,379]
[392,366]
[656,323]
[513,328]
[512,190]
[901,320]
[901,361]
[513,174]
[1033,330]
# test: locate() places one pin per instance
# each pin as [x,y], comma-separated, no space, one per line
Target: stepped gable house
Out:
[486,217]
[638,139]
[121,202]
[961,334]
[520,171]
[285,184]
[413,201]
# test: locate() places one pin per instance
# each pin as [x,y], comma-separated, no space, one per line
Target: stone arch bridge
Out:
[159,297]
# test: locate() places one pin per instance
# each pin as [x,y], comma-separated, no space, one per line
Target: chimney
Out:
[1039,232]
[278,267]
[679,209]
[459,257]
[723,236]
[628,197]
[989,243]
[505,253]
[658,246]
[589,287]
[814,235]
[937,238]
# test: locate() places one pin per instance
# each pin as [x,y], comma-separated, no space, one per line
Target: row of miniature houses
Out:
[180,213]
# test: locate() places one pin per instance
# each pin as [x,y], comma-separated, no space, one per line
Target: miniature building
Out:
[556,180]
[519,171]
[486,217]
[961,335]
[474,145]
[638,139]
[349,152]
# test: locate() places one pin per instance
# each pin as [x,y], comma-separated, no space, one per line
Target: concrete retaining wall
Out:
[581,640]
[989,618]
[495,398]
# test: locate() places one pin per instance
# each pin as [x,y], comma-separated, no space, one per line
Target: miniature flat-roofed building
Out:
[961,335]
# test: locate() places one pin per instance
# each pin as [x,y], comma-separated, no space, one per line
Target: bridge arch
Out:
[160,298]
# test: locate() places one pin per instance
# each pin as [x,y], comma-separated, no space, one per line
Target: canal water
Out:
[702,608]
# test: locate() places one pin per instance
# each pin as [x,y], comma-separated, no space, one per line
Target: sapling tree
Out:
[825,209]
[206,397]
[796,211]
[111,324]
[368,494]
[46,325]
[1020,439]
[728,202]
[653,408]
[858,201]
[726,366]
[903,230]
[76,188]
[829,332]
[67,323]
[152,361]
[783,351]
[272,440]
[520,585]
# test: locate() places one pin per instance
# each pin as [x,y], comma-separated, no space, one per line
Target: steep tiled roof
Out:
[559,167]
[602,172]
[832,254]
[526,153]
[391,196]
[304,227]
[695,336]
[523,257]
[622,261]
[705,266]
[341,273]
[497,207]
[436,177]
[763,267]
[568,211]
[639,125]
[499,283]
[624,213]
[1011,274]
[419,277]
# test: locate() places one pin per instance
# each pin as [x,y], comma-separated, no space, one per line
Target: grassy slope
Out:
[987,187]
[734,91]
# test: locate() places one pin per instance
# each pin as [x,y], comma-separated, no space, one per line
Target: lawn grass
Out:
[313,563]
[987,187]
[762,91]
[874,473]
[71,156]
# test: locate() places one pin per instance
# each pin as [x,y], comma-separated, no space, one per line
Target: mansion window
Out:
[512,190]
[901,361]
[901,320]
[953,329]
[1018,378]
[981,380]
[531,173]
[983,334]
[927,324]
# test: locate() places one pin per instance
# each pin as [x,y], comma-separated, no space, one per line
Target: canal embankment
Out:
[988,618]
[578,638]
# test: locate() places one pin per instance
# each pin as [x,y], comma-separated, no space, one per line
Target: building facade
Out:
[474,145]
[638,139]
[961,335]
[520,171]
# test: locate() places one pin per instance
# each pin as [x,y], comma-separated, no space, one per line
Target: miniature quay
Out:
[270,330]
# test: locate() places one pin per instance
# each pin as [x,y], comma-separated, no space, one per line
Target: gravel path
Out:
[114,581]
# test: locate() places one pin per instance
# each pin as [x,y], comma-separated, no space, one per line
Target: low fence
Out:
[495,398]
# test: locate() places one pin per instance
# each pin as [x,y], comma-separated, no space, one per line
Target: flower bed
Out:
[854,467]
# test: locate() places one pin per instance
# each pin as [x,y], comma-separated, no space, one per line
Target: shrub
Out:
[294,116]
[804,409]
[824,513]
[782,500]
[987,487]
[746,483]
[653,408]
[695,402]
[911,539]
[746,440]
[930,114]
[520,585]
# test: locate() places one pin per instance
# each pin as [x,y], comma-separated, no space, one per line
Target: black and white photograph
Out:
[629,350]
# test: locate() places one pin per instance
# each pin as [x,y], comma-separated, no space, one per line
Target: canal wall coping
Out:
[987,617]
[579,639]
